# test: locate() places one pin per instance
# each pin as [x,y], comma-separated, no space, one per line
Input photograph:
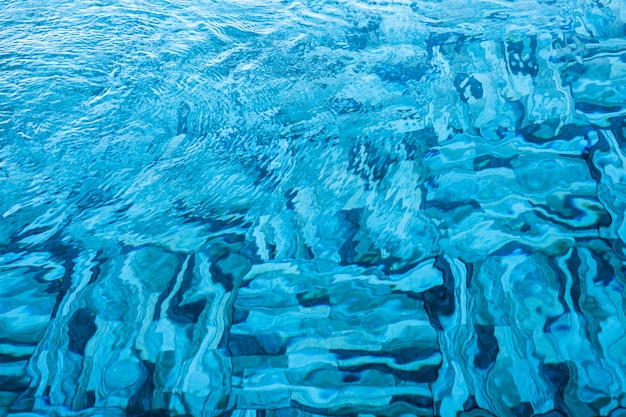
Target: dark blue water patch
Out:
[487,345]
[426,374]
[81,328]
[522,56]
[401,356]
[468,86]
[244,345]
[596,108]
[313,300]
[439,301]
[186,313]
[557,375]
[524,409]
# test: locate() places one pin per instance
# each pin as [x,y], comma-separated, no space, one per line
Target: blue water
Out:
[312,208]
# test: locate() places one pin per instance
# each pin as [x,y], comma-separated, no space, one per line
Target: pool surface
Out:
[312,208]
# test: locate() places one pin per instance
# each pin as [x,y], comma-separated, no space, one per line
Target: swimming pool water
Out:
[315,207]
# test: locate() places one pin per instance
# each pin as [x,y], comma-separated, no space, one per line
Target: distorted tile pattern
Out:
[312,208]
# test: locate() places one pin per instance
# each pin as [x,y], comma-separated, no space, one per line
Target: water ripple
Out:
[312,208]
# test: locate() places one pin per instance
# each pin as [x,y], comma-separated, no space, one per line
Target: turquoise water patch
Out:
[316,208]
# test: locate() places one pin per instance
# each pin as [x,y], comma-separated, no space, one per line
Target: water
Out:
[274,208]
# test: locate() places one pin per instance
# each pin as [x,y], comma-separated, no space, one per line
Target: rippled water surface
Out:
[317,207]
